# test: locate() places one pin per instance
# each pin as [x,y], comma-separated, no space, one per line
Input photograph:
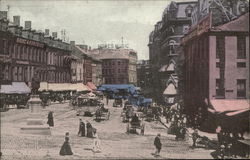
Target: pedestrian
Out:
[97,142]
[157,143]
[107,100]
[81,131]
[66,149]
[195,136]
[50,119]
[89,130]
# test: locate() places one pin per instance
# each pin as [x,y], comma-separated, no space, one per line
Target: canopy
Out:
[170,90]
[112,87]
[15,87]
[229,106]
[62,87]
[91,85]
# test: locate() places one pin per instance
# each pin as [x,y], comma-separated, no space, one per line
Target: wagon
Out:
[117,102]
[133,125]
[127,113]
[102,114]
[86,106]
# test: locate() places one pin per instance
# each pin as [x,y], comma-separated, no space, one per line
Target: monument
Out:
[35,123]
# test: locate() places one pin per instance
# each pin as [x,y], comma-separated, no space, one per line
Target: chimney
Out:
[3,14]
[46,32]
[27,24]
[54,34]
[72,43]
[16,20]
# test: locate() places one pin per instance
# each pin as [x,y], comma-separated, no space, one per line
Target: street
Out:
[115,142]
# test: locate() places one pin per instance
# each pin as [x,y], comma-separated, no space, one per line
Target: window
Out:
[220,91]
[119,71]
[220,46]
[217,64]
[241,65]
[241,47]
[119,63]
[241,88]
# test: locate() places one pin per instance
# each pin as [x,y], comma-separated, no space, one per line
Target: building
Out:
[118,65]
[25,52]
[165,52]
[217,66]
[144,77]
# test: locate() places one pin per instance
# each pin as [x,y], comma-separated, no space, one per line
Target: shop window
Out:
[241,88]
[241,65]
[241,47]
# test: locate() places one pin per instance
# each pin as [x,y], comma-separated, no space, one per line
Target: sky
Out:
[93,22]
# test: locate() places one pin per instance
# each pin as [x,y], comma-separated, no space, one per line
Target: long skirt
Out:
[66,149]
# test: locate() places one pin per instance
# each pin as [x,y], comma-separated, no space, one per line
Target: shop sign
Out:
[29,42]
[203,26]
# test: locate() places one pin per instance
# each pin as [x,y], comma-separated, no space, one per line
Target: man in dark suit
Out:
[157,143]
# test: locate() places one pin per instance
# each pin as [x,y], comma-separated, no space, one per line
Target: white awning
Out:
[170,90]
[163,68]
[15,87]
[229,105]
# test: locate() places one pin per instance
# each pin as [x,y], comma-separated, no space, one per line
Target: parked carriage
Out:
[102,114]
[117,102]
[86,105]
[15,94]
[135,124]
[127,113]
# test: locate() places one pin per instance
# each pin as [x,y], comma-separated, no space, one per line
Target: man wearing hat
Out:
[157,143]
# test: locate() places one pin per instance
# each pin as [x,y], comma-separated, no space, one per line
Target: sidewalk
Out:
[212,136]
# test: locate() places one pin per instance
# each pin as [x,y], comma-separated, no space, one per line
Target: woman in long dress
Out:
[97,143]
[66,149]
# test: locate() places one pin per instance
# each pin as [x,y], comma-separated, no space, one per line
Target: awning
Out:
[43,86]
[91,85]
[16,87]
[79,87]
[229,105]
[170,90]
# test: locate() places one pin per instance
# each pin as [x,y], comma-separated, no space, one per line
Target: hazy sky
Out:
[95,21]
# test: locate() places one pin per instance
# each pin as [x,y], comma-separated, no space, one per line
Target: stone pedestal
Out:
[35,123]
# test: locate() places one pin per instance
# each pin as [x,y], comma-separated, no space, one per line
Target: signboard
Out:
[22,62]
[29,42]
[203,26]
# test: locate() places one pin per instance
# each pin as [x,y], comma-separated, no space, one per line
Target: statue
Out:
[35,84]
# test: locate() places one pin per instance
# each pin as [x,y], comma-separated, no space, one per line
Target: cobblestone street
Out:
[115,141]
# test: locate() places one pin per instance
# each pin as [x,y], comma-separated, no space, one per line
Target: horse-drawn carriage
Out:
[117,102]
[86,105]
[102,113]
[135,123]
[127,113]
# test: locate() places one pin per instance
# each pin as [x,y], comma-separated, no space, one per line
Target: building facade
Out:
[25,52]
[144,77]
[118,65]
[165,50]
[217,65]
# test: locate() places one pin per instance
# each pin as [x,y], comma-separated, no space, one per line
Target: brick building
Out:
[118,65]
[144,77]
[217,66]
[24,52]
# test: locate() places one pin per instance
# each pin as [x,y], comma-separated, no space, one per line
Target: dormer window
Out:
[189,10]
